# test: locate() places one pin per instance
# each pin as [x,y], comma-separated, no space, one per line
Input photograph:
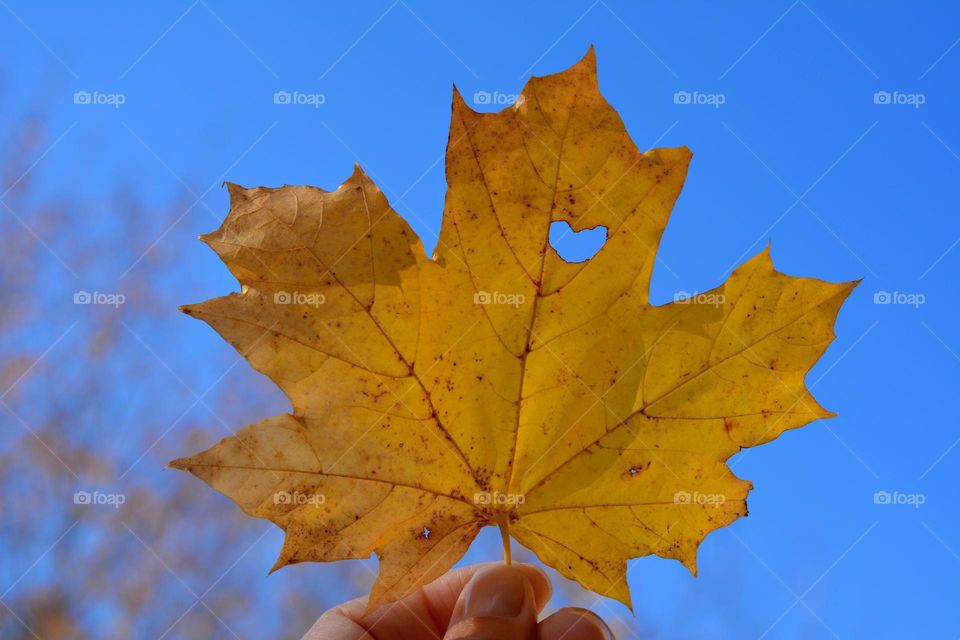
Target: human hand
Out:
[482,602]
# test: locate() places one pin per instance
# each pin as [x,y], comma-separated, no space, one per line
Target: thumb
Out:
[497,603]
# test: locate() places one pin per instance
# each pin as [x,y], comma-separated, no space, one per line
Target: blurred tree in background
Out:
[90,409]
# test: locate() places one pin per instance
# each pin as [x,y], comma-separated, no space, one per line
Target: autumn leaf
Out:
[495,383]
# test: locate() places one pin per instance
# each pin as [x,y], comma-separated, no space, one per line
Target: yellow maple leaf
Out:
[497,384]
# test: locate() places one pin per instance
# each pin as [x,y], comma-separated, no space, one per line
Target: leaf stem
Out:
[504,523]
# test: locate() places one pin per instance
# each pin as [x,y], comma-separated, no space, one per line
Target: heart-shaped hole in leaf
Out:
[576,246]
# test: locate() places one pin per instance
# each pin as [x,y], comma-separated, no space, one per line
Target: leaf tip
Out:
[458,104]
[621,593]
[279,564]
[238,195]
[181,464]
[690,562]
[358,175]
[584,70]
[236,191]
[590,57]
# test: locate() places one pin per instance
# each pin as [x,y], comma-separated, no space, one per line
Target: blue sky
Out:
[828,131]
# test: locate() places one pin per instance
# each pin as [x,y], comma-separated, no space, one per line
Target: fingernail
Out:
[496,591]
[589,625]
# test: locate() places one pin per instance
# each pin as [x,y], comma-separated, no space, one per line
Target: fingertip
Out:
[498,602]
[574,623]
[335,625]
[542,588]
[499,590]
[448,588]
